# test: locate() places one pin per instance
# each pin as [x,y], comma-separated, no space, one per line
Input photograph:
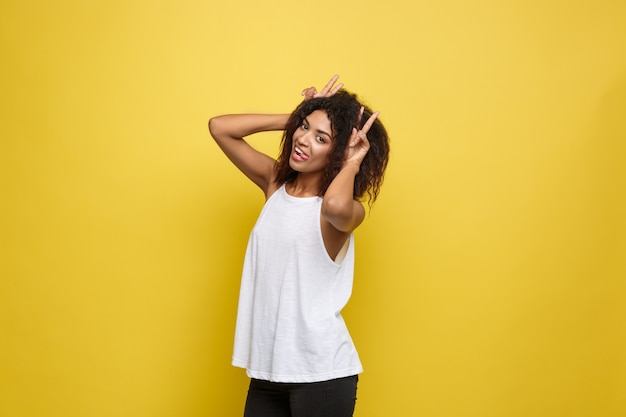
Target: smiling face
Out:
[311,143]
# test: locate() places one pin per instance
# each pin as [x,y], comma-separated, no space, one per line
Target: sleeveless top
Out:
[289,323]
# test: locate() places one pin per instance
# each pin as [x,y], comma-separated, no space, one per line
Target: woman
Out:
[299,264]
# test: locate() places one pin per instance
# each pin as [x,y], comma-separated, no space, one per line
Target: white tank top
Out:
[289,323]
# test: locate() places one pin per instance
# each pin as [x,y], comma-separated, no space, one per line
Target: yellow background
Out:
[491,274]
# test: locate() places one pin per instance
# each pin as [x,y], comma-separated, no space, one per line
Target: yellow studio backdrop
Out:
[491,273]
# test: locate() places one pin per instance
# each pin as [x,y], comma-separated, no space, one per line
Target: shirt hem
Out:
[318,377]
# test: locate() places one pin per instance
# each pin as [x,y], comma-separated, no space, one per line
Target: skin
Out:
[341,214]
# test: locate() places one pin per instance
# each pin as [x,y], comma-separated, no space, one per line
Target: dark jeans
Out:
[334,398]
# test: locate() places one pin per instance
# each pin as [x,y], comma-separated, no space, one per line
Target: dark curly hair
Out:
[343,111]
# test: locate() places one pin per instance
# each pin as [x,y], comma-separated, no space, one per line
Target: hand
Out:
[358,145]
[327,91]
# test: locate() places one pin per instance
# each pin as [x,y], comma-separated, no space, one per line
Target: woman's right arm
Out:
[229,132]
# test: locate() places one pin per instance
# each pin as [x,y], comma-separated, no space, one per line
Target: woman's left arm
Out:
[339,207]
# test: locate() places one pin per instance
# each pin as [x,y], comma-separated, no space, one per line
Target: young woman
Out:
[299,264]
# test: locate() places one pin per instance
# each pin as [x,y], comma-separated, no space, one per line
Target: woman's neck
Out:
[304,186]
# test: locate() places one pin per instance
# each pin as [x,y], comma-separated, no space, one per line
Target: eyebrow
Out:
[318,130]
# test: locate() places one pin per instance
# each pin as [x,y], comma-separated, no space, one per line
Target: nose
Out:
[305,139]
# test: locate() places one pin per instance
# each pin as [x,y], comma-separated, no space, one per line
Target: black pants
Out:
[334,398]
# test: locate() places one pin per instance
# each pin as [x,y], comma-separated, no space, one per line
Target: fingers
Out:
[358,147]
[309,93]
[329,87]
[361,134]
[353,137]
[334,90]
[366,127]
[358,120]
[358,136]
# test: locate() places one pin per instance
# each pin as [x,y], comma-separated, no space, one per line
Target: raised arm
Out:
[339,207]
[229,132]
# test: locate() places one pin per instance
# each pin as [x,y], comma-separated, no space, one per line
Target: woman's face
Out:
[311,143]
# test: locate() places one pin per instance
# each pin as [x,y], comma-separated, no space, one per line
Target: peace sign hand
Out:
[358,145]
[327,91]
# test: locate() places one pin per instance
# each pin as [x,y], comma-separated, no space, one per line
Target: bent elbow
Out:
[338,213]
[218,127]
[214,126]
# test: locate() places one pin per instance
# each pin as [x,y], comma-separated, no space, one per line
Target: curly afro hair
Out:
[343,110]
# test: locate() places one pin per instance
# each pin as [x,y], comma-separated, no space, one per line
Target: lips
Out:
[299,155]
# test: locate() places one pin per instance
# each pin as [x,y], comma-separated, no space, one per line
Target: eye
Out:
[304,126]
[320,139]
